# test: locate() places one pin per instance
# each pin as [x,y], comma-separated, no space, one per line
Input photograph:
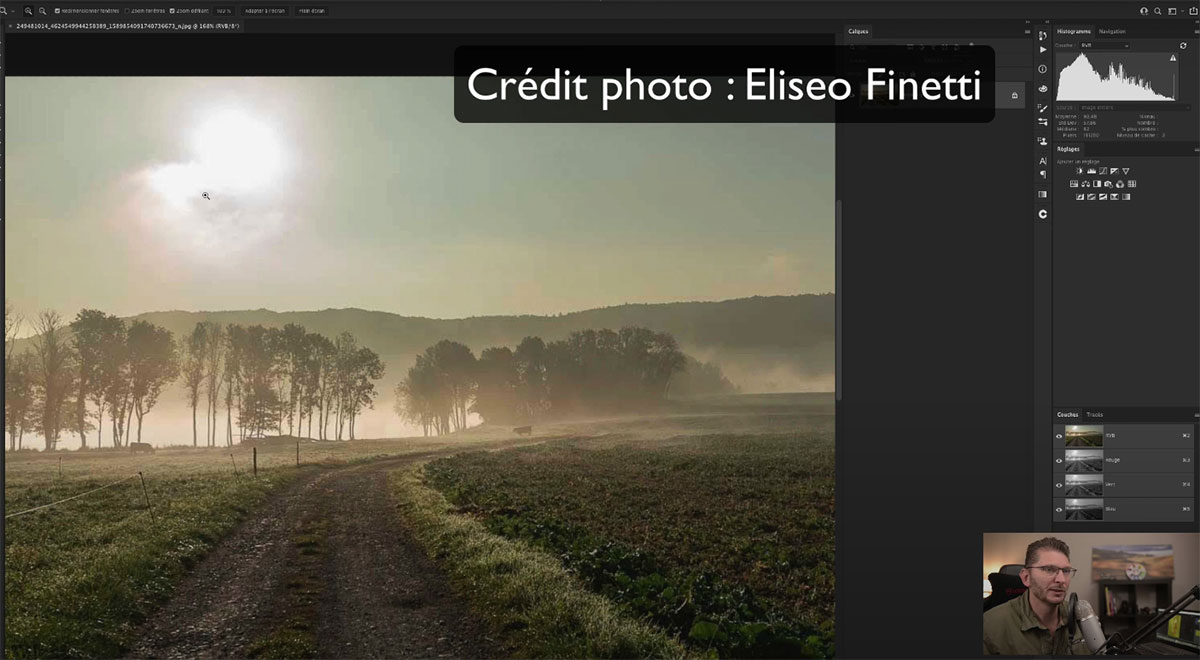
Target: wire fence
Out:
[138,475]
[68,499]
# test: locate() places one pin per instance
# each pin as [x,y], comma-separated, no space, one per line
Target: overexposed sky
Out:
[365,192]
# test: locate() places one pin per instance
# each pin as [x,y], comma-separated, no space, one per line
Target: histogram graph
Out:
[1117,76]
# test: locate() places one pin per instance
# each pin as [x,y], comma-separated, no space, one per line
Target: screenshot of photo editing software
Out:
[601,328]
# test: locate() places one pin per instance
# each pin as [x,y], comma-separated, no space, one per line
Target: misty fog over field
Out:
[344,195]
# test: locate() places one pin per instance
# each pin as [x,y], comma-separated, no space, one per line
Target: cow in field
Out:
[523,430]
[137,447]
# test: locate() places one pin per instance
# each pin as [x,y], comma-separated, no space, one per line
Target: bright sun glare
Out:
[231,151]
[239,149]
[227,192]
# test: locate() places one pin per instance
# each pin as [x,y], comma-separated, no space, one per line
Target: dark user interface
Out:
[847,364]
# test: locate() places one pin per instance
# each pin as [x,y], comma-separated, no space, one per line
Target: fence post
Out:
[60,468]
[255,455]
[234,464]
[147,496]
[297,453]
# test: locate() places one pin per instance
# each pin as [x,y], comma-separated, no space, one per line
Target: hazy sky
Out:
[366,192]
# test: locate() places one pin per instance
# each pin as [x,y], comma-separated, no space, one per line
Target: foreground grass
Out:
[79,576]
[726,541]
[542,609]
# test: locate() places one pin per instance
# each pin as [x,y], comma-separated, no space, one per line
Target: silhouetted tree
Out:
[664,361]
[439,388]
[345,347]
[233,374]
[18,397]
[260,408]
[456,365]
[421,397]
[260,367]
[366,368]
[12,325]
[17,386]
[55,364]
[310,377]
[18,381]
[497,382]
[588,370]
[192,371]
[325,366]
[93,333]
[153,364]
[530,358]
[214,352]
[85,329]
[293,348]
[113,379]
[277,348]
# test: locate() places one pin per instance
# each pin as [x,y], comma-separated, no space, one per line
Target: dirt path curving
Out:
[330,555]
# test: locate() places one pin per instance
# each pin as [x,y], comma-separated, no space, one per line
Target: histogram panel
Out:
[1117,76]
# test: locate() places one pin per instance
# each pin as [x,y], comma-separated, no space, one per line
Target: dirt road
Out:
[327,557]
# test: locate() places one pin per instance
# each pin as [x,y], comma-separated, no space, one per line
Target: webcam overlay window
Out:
[405,329]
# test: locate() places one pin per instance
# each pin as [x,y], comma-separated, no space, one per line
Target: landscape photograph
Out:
[1084,460]
[1113,562]
[1084,509]
[304,368]
[1084,485]
[1085,436]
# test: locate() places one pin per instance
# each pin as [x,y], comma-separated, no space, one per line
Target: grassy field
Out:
[80,575]
[724,539]
[538,607]
[711,522]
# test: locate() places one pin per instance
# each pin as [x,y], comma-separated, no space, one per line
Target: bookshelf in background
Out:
[1114,592]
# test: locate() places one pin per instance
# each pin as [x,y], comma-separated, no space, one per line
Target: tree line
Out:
[99,370]
[96,369]
[589,371]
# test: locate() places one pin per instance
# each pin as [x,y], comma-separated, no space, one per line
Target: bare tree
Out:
[346,348]
[293,345]
[18,381]
[233,375]
[311,376]
[54,365]
[326,354]
[12,326]
[18,398]
[213,354]
[194,353]
[14,387]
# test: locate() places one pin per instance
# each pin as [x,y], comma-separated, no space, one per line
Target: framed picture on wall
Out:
[1133,562]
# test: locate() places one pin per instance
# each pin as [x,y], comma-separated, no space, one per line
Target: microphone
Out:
[1089,625]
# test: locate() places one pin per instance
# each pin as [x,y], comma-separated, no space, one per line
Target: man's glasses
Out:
[1053,571]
